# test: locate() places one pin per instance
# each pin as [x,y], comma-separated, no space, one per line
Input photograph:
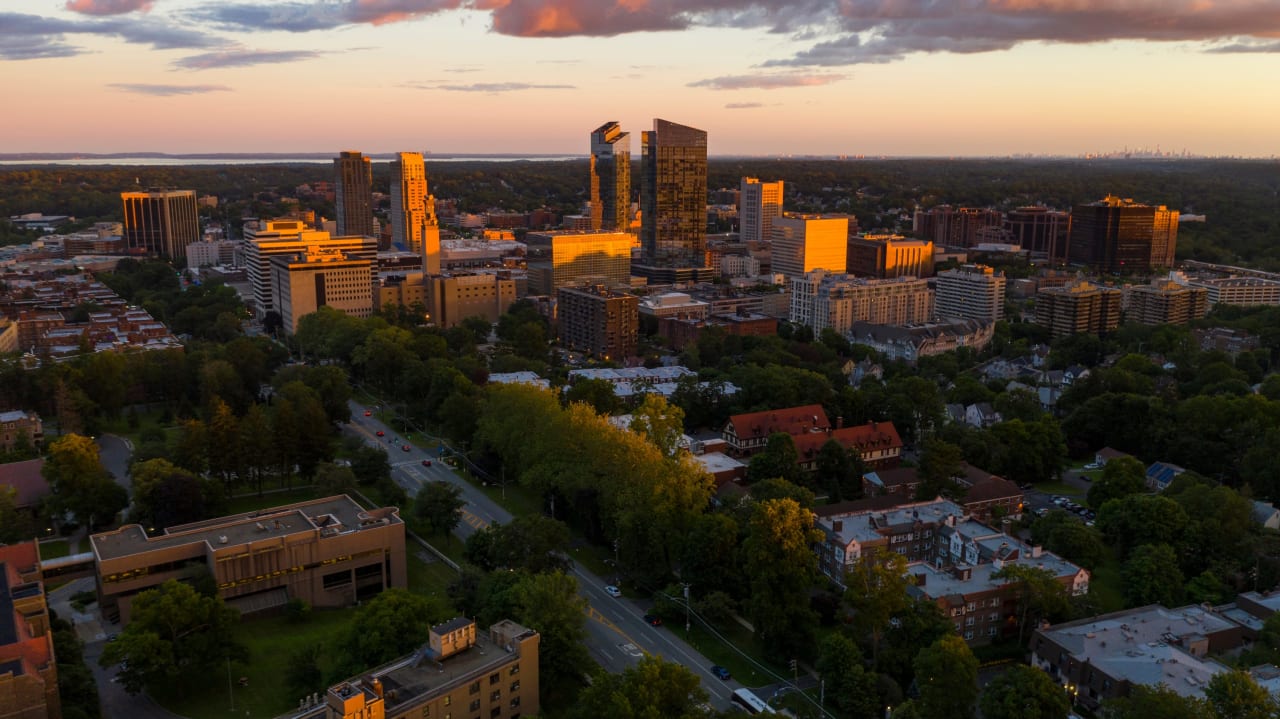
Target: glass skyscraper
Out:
[610,178]
[673,196]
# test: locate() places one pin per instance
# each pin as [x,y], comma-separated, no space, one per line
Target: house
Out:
[748,433]
[863,371]
[984,496]
[981,415]
[955,412]
[26,478]
[1266,514]
[1106,454]
[902,482]
[722,468]
[1160,474]
[877,444]
[17,424]
[856,530]
[1074,374]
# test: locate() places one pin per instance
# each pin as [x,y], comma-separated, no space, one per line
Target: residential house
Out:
[1160,474]
[1266,514]
[1106,454]
[955,412]
[981,415]
[27,479]
[877,444]
[748,433]
[15,425]
[1074,374]
[983,496]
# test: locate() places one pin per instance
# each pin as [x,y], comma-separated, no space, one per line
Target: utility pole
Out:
[686,609]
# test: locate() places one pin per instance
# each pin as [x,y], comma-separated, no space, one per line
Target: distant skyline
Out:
[763,77]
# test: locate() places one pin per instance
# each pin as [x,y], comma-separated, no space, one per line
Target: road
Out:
[617,635]
[115,453]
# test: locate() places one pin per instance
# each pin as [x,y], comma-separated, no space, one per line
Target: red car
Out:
[404,448]
[368,413]
[426,463]
[381,433]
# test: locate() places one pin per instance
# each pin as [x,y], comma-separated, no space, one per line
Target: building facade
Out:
[455,296]
[804,243]
[353,185]
[270,238]
[161,222]
[28,666]
[412,206]
[17,427]
[319,277]
[948,226]
[822,300]
[1165,302]
[598,321]
[610,179]
[1078,308]
[925,339]
[1242,291]
[889,256]
[328,552]
[759,204]
[1041,231]
[210,253]
[563,259]
[673,198]
[1119,235]
[970,292]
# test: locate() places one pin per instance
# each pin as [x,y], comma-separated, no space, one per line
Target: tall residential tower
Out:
[673,201]
[408,200]
[760,202]
[162,222]
[353,180]
[610,178]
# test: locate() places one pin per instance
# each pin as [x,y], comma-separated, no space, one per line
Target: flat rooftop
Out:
[943,583]
[339,514]
[863,526]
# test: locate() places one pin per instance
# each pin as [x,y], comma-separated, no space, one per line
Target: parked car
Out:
[381,433]
[368,413]
[426,463]
[404,448]
[720,672]
[613,591]
[1093,465]
[653,620]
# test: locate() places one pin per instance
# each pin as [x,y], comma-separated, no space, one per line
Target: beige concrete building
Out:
[1078,308]
[759,204]
[268,238]
[804,243]
[412,207]
[328,552]
[821,299]
[970,292]
[1242,291]
[28,666]
[1165,302]
[320,277]
[451,298]
[598,321]
[564,259]
[889,256]
[161,222]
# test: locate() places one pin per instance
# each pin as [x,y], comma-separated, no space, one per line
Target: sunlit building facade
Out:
[562,259]
[610,178]
[759,203]
[412,207]
[320,277]
[673,198]
[1119,235]
[889,256]
[804,243]
[353,182]
[161,222]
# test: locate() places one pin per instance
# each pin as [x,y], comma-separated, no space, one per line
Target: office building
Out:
[1165,302]
[889,256]
[412,206]
[267,238]
[949,226]
[673,202]
[760,202]
[212,253]
[598,321]
[804,243]
[610,179]
[28,666]
[320,277]
[459,673]
[1078,308]
[1119,235]
[1039,230]
[562,259]
[824,300]
[674,305]
[327,552]
[353,184]
[1241,291]
[161,222]
[455,296]
[970,292]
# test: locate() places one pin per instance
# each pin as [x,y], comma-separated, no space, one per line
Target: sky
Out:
[762,77]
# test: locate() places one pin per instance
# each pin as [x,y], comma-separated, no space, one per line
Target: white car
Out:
[1093,465]
[613,591]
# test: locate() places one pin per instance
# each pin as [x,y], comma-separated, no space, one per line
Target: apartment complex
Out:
[804,243]
[923,339]
[1041,231]
[17,426]
[211,253]
[412,206]
[161,222]
[821,300]
[889,256]
[28,667]
[759,203]
[1120,235]
[673,202]
[1078,308]
[328,552]
[610,179]
[353,185]
[319,277]
[268,238]
[1165,302]
[970,292]
[459,673]
[563,259]
[598,321]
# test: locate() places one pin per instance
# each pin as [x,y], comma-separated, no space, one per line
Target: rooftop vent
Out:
[222,539]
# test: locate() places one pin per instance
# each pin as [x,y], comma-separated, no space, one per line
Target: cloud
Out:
[324,15]
[25,37]
[108,7]
[239,57]
[499,87]
[35,47]
[743,105]
[1247,47]
[167,90]
[765,81]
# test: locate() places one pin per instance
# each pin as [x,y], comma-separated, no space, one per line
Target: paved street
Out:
[115,453]
[618,636]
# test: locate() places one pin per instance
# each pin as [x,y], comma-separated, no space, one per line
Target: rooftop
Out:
[864,526]
[934,582]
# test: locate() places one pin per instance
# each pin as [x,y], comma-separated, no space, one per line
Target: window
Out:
[475,705]
[992,631]
[475,687]
[968,636]
[968,622]
[495,695]
[515,702]
[447,701]
[493,679]
[515,686]
[426,712]
[496,711]
[995,617]
[972,606]
[337,579]
[514,670]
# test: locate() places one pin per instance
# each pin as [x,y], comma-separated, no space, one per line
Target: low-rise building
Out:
[877,444]
[889,256]
[1160,474]
[681,332]
[984,496]
[28,666]
[923,339]
[747,434]
[27,481]
[1241,291]
[454,296]
[673,305]
[17,426]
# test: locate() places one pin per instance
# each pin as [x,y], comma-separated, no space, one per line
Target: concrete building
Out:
[563,259]
[970,292]
[673,305]
[319,277]
[208,253]
[1041,231]
[1078,308]
[598,321]
[948,226]
[459,673]
[739,266]
[821,300]
[1241,291]
[680,332]
[673,202]
[412,206]
[889,256]
[453,297]
[161,222]
[804,243]
[28,666]
[328,552]
[269,238]
[353,184]
[759,204]
[15,425]
[910,342]
[1165,302]
[1119,235]
[610,179]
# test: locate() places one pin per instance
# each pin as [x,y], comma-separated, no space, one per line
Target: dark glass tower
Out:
[673,196]
[353,178]
[610,178]
[1119,235]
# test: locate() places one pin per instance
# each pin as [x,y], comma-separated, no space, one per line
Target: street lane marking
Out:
[473,520]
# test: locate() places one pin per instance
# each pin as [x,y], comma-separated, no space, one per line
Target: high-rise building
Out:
[1078,308]
[1039,230]
[598,321]
[673,200]
[954,227]
[412,207]
[353,181]
[28,666]
[888,256]
[804,243]
[320,277]
[610,178]
[759,203]
[824,300]
[561,259]
[1120,235]
[161,222]
[1165,302]
[266,238]
[970,292]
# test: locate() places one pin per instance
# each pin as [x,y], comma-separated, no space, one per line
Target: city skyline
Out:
[766,77]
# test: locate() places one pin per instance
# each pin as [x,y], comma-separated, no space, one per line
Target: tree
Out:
[175,635]
[440,505]
[390,625]
[1040,594]
[165,494]
[911,631]
[939,462]
[651,689]
[334,479]
[947,677]
[302,672]
[839,471]
[1160,702]
[597,393]
[709,559]
[778,460]
[532,542]
[780,567]
[661,423]
[1121,477]
[767,489]
[876,590]
[1077,542]
[851,689]
[1024,692]
[1141,519]
[79,483]
[1234,695]
[1151,576]
[549,604]
[15,524]
[370,464]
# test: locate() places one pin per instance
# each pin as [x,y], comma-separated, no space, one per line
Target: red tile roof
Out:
[793,421]
[26,478]
[992,488]
[870,436]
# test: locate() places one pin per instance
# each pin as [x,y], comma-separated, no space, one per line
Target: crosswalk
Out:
[473,520]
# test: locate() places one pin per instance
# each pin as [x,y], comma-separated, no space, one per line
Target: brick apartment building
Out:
[746,434]
[28,667]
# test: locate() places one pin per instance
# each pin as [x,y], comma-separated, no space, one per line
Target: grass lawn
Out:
[1065,490]
[718,652]
[56,548]
[271,641]
[240,505]
[429,578]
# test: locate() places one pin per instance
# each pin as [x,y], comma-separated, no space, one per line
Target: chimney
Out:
[837,526]
[839,422]
[1036,551]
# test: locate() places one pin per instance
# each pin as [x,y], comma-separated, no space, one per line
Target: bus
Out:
[752,703]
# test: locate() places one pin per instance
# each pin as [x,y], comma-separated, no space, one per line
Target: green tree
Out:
[709,558]
[532,542]
[1023,692]
[1040,595]
[911,631]
[302,673]
[651,689]
[661,423]
[1158,702]
[780,567]
[165,494]
[549,604]
[939,462]
[596,393]
[439,504]
[1141,519]
[334,479]
[1234,695]
[79,482]
[1077,542]
[839,471]
[767,489]
[1151,576]
[779,459]
[850,688]
[370,464]
[390,625]
[947,677]
[175,636]
[876,591]
[1121,477]
[15,524]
